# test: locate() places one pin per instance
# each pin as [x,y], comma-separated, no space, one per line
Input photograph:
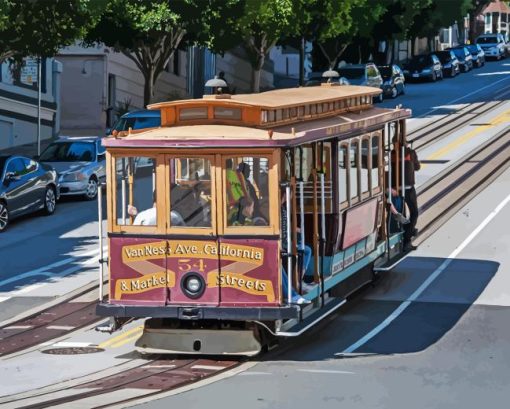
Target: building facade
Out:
[19,102]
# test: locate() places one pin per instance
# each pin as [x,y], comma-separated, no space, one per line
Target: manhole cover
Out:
[72,350]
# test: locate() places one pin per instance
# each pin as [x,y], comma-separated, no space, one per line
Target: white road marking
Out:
[401,308]
[208,367]
[19,327]
[327,371]
[61,327]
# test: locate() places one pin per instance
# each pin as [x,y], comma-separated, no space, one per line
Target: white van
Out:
[493,45]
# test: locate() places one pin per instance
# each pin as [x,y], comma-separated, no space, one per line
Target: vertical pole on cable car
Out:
[123,191]
[100,237]
[323,219]
[295,270]
[387,151]
[301,250]
[316,275]
[131,171]
[402,165]
[289,243]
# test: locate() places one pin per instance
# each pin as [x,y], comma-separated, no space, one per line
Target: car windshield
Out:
[421,61]
[3,159]
[444,56]
[473,48]
[352,73]
[69,152]
[385,72]
[460,53]
[141,122]
[486,40]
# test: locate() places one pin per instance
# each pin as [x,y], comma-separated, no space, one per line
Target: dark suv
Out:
[393,80]
[425,66]
[144,118]
[450,62]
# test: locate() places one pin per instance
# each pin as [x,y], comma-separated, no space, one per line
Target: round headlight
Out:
[193,285]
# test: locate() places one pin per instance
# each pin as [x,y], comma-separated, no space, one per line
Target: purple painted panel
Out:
[250,272]
[138,273]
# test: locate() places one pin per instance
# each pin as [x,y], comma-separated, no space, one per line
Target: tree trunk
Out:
[148,87]
[256,74]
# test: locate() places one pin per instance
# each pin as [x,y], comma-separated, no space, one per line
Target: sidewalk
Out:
[29,150]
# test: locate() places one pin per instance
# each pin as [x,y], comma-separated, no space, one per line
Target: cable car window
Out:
[365,157]
[192,113]
[376,157]
[270,116]
[136,191]
[190,192]
[353,169]
[247,191]
[230,113]
[342,173]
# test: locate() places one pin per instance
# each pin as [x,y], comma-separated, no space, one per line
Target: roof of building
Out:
[497,7]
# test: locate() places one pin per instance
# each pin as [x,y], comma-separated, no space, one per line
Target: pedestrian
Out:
[411,165]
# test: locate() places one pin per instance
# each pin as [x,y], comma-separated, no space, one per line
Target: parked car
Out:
[25,186]
[465,58]
[80,163]
[393,80]
[493,45]
[316,79]
[362,74]
[478,54]
[425,66]
[141,119]
[450,63]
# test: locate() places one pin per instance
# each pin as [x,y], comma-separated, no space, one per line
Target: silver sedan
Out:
[80,163]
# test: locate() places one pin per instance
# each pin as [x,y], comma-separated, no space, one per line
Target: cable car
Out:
[244,218]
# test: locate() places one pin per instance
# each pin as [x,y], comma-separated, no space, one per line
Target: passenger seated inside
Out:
[186,201]
[148,217]
[243,214]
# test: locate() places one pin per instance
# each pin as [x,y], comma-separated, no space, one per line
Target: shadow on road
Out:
[431,315]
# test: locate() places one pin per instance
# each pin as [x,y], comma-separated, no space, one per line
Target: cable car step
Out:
[312,319]
[392,263]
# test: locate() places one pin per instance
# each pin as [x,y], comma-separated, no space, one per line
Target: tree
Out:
[475,9]
[149,32]
[41,27]
[261,26]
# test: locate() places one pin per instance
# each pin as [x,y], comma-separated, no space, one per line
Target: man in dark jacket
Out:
[411,164]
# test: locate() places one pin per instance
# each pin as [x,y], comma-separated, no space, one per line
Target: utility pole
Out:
[39,106]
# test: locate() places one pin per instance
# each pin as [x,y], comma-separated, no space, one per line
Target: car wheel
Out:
[50,201]
[91,192]
[403,89]
[394,92]
[380,98]
[434,77]
[452,73]
[4,216]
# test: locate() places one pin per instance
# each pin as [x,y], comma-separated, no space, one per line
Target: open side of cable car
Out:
[248,217]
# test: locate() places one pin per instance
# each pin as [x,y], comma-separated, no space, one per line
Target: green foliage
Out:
[42,27]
